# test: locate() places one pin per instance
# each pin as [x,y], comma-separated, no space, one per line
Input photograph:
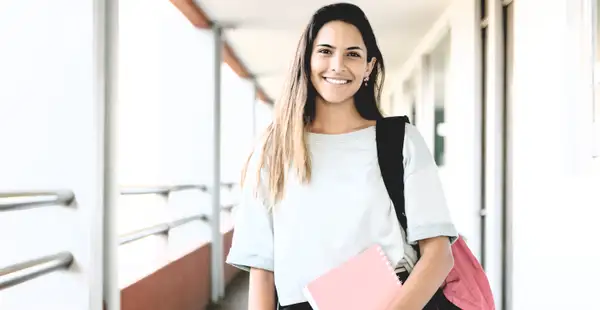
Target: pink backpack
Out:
[467,285]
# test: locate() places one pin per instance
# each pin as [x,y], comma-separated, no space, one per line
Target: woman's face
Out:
[339,62]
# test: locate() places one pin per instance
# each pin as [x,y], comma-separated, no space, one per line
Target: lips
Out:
[336,81]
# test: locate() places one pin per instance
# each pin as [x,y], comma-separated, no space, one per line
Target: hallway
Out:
[236,295]
[125,124]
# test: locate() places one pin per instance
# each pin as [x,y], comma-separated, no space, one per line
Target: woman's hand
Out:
[427,276]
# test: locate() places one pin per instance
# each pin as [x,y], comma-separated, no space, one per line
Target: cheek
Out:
[317,67]
[359,71]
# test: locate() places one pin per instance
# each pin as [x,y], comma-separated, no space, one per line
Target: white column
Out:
[463,122]
[106,93]
[52,132]
[494,165]
[217,275]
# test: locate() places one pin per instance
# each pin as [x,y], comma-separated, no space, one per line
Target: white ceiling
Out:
[264,33]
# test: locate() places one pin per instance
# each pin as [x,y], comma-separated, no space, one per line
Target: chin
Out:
[336,96]
[336,99]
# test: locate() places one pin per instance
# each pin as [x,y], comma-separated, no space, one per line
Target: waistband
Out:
[300,306]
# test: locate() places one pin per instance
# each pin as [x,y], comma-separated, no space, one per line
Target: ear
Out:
[370,66]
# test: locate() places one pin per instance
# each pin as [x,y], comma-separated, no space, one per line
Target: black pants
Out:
[437,302]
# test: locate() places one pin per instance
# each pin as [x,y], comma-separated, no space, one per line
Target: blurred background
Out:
[124,125]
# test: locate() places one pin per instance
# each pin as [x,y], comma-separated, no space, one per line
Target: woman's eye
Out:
[324,51]
[353,54]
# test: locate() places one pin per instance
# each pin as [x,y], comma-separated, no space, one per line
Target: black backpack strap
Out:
[390,144]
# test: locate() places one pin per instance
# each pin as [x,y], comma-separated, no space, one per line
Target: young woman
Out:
[313,196]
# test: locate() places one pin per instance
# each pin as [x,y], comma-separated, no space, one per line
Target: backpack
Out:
[467,285]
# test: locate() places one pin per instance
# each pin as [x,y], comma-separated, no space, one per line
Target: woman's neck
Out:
[337,118]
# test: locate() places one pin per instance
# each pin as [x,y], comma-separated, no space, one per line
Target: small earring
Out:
[366,80]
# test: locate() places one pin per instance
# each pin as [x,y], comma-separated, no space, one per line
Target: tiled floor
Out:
[236,294]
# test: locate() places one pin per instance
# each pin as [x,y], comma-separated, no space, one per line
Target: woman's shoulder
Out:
[414,142]
[416,153]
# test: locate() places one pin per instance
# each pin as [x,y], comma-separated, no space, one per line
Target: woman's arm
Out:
[428,275]
[428,222]
[261,292]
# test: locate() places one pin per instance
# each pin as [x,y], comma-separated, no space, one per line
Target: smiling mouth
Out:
[336,81]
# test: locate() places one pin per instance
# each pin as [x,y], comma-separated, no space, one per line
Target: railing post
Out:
[217,277]
[165,251]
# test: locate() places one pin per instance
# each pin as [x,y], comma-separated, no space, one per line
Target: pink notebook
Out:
[365,282]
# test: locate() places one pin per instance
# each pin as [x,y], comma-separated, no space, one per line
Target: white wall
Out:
[460,173]
[237,123]
[555,205]
[462,123]
[51,133]
[264,116]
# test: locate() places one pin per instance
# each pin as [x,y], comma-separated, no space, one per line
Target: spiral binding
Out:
[388,264]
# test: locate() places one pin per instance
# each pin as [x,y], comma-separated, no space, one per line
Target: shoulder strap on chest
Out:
[390,144]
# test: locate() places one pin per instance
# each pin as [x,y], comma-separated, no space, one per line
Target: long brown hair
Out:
[284,148]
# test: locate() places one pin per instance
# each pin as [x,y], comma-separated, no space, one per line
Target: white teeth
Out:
[336,81]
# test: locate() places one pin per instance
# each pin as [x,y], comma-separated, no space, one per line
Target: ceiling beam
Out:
[199,19]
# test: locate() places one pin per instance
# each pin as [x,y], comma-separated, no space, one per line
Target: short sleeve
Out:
[426,208]
[252,242]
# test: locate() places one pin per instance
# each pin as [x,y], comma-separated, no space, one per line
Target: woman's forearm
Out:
[427,276]
[261,291]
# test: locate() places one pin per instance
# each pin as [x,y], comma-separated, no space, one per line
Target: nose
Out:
[337,63]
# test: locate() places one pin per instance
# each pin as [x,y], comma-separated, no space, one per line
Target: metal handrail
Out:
[166,189]
[159,229]
[28,270]
[228,207]
[229,185]
[162,190]
[31,199]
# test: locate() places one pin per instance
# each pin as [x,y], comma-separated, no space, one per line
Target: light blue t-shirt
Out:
[344,210]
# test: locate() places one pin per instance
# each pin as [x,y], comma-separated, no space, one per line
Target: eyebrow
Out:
[350,48]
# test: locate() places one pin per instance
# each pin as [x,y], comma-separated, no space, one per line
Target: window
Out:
[439,65]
